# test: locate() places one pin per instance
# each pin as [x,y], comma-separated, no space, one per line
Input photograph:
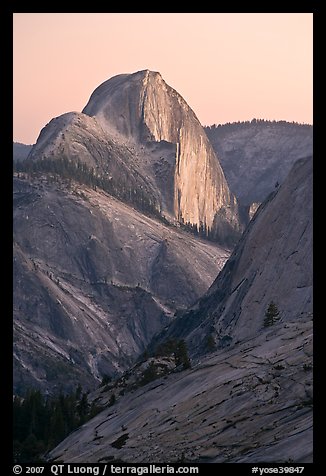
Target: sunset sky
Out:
[227,66]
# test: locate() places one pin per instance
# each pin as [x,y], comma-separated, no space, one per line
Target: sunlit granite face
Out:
[143,107]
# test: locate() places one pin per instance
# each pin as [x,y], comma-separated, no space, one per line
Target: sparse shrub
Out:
[224,341]
[279,367]
[149,374]
[166,348]
[177,348]
[112,400]
[121,441]
[94,410]
[105,380]
[307,367]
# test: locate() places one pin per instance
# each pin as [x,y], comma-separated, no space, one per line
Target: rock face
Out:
[272,262]
[144,107]
[20,151]
[243,405]
[248,400]
[94,280]
[161,147]
[257,155]
[78,137]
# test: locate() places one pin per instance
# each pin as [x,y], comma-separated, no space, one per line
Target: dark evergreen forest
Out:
[40,422]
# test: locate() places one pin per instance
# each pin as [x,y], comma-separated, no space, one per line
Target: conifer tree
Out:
[210,343]
[271,314]
[181,355]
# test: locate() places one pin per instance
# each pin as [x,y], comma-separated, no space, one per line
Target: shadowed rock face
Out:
[94,280]
[257,155]
[20,151]
[272,262]
[250,399]
[138,129]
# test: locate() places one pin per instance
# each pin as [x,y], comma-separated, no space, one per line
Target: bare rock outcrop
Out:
[143,106]
[248,397]
[257,155]
[138,130]
[243,405]
[271,263]
[94,280]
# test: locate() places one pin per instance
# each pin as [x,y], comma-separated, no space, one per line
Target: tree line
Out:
[59,168]
[80,172]
[40,422]
[255,121]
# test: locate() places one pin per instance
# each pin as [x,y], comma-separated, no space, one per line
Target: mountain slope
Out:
[272,262]
[138,129]
[249,400]
[248,406]
[94,280]
[20,151]
[77,137]
[143,106]
[257,155]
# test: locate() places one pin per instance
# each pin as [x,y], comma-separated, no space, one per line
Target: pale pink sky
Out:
[227,66]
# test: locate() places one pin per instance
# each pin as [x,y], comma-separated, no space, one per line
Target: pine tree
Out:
[83,408]
[57,425]
[149,374]
[271,314]
[181,355]
[210,343]
[78,393]
[106,378]
[41,422]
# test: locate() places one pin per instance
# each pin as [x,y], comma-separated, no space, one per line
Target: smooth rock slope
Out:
[272,262]
[249,400]
[257,155]
[94,280]
[249,404]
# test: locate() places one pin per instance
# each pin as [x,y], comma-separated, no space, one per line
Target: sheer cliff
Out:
[138,129]
[271,263]
[143,106]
